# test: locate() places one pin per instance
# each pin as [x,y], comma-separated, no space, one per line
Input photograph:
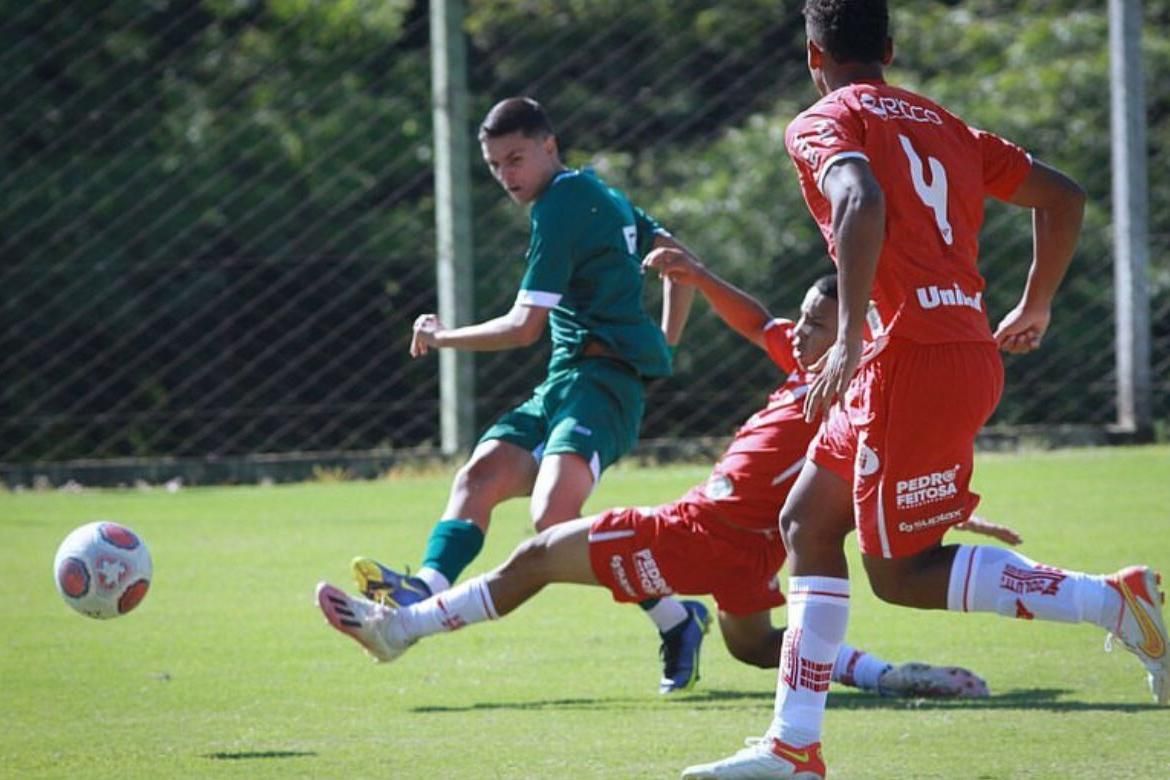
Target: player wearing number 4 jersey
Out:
[897,184]
[721,538]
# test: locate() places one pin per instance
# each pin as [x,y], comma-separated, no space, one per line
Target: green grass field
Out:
[227,670]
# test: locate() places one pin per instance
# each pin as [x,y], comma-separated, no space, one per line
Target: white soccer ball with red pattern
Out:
[102,570]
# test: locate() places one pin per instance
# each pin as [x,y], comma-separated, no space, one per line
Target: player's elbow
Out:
[867,199]
[1075,197]
[528,333]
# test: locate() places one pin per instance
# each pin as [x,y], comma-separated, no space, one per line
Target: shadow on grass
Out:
[1049,699]
[250,755]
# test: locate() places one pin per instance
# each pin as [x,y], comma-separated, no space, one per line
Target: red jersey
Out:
[748,485]
[935,172]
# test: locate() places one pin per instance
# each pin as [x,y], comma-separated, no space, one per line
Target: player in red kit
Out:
[721,538]
[897,185]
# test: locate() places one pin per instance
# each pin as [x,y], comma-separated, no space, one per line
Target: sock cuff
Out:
[818,589]
[962,580]
[459,526]
[478,585]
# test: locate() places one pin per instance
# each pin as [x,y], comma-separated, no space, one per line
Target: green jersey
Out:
[584,265]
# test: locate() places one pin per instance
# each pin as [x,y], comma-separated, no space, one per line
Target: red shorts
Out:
[645,553]
[906,441]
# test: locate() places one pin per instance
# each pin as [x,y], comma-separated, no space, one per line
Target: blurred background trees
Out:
[217,220]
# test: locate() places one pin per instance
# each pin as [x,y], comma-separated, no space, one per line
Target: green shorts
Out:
[593,408]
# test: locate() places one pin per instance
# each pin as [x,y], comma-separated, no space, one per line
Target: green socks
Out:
[453,545]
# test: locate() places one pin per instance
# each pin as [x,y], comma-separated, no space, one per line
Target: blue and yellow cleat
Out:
[386,586]
[680,649]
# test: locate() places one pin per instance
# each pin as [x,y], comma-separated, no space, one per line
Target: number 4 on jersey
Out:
[934,195]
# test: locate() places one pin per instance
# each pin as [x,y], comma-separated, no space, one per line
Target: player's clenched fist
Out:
[423,338]
[1022,329]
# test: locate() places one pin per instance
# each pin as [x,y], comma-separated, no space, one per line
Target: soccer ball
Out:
[102,570]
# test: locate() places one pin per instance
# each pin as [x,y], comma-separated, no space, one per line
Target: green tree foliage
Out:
[217,222]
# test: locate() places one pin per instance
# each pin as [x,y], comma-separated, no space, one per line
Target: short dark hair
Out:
[827,286]
[849,30]
[516,115]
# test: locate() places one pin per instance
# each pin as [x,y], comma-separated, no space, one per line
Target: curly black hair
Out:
[849,30]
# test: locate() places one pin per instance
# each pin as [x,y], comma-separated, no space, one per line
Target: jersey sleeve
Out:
[778,341]
[823,136]
[1005,165]
[647,228]
[550,254]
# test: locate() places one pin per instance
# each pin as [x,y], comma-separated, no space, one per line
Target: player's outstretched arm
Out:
[676,298]
[742,313]
[520,327]
[1058,208]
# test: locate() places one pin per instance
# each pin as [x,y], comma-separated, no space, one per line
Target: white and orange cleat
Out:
[366,622]
[764,759]
[1140,626]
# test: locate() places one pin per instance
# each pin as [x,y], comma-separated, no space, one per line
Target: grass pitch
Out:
[227,670]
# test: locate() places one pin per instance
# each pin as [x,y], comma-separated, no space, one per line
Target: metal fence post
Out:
[1130,217]
[453,242]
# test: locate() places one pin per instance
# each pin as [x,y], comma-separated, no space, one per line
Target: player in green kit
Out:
[583,282]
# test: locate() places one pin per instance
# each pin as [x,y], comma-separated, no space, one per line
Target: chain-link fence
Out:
[217,220]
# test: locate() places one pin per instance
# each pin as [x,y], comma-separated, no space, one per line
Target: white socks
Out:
[858,669]
[468,602]
[994,579]
[818,612]
[434,579]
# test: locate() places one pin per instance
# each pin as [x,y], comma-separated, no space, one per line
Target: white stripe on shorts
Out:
[606,536]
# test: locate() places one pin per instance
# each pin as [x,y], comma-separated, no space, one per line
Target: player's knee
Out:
[477,477]
[788,525]
[798,535]
[546,520]
[546,514]
[803,534]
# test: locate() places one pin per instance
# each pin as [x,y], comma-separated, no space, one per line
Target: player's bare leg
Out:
[561,485]
[751,638]
[815,520]
[496,471]
[559,554]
